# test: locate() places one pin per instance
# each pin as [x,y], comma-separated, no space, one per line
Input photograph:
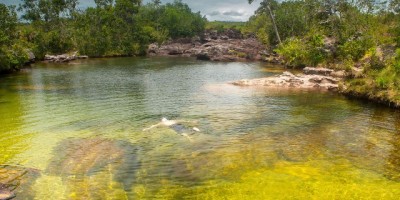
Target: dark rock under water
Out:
[87,157]
[6,193]
[16,181]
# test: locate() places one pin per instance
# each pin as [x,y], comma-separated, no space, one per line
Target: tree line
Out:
[111,28]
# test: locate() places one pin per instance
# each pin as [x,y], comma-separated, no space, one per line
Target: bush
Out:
[299,53]
[316,53]
[11,58]
[355,48]
[294,52]
[396,61]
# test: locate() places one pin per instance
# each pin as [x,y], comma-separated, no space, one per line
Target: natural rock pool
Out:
[74,131]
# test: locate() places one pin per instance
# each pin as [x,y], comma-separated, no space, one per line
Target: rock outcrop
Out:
[228,46]
[313,78]
[63,57]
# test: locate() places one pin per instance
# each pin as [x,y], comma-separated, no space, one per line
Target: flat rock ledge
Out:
[63,57]
[312,80]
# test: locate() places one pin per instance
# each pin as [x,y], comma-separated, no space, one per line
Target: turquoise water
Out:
[74,131]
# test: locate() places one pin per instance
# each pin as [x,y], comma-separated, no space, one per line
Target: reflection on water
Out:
[77,132]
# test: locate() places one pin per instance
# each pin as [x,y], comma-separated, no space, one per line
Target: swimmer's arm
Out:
[153,126]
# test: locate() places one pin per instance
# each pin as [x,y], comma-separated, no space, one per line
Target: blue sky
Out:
[222,10]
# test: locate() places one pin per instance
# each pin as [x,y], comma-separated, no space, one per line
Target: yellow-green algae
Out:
[256,172]
[316,179]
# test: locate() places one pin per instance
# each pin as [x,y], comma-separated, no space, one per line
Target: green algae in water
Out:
[318,179]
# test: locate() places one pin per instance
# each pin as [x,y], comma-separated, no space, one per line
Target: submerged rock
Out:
[89,157]
[17,181]
[5,193]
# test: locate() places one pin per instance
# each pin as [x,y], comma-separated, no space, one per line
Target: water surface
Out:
[74,131]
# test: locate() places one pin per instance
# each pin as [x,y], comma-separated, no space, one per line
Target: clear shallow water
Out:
[74,131]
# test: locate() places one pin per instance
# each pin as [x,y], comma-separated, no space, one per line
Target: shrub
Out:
[11,58]
[299,53]
[316,53]
[396,61]
[293,51]
[355,48]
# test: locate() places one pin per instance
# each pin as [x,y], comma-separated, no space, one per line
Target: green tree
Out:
[52,20]
[12,53]
[266,5]
[104,3]
[180,21]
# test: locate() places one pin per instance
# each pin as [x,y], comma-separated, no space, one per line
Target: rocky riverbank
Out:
[228,46]
[312,78]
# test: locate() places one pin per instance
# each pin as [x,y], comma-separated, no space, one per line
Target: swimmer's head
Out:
[164,119]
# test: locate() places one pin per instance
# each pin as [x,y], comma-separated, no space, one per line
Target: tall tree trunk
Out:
[274,23]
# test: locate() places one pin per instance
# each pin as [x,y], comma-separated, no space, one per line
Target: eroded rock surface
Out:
[63,57]
[228,46]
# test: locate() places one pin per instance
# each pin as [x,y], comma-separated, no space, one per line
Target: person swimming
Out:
[175,125]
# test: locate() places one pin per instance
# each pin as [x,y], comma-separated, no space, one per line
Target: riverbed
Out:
[75,131]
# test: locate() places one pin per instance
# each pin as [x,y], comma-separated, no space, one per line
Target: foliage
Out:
[12,57]
[179,20]
[221,26]
[379,82]
[355,48]
[290,20]
[301,52]
[335,33]
[12,53]
[259,25]
[294,52]
[112,28]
